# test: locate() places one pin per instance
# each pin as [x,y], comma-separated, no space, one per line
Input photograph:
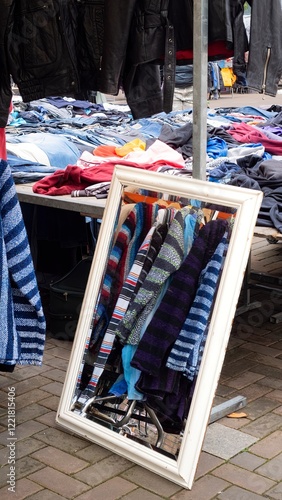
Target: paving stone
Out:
[110,490]
[56,375]
[218,400]
[5,382]
[67,344]
[277,395]
[59,363]
[141,494]
[147,479]
[24,488]
[28,385]
[278,345]
[52,402]
[28,446]
[58,459]
[49,418]
[62,440]
[268,371]
[205,488]
[274,383]
[260,407]
[244,478]
[58,482]
[54,388]
[23,431]
[268,447]
[236,354]
[247,461]
[59,352]
[103,470]
[29,412]
[234,423]
[31,397]
[25,372]
[275,492]
[278,410]
[206,464]
[93,453]
[46,495]
[224,442]
[270,361]
[263,426]
[262,339]
[235,493]
[254,391]
[237,368]
[26,465]
[234,342]
[243,380]
[261,349]
[224,391]
[272,469]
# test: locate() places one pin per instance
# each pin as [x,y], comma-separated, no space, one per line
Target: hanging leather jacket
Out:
[226,31]
[264,68]
[135,44]
[71,47]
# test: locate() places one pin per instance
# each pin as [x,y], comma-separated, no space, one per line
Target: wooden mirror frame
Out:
[247,203]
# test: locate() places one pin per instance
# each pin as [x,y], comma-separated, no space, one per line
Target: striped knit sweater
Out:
[22,319]
[184,355]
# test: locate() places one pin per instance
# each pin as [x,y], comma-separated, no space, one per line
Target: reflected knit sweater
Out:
[169,318]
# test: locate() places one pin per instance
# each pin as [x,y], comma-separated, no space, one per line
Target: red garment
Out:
[77,178]
[3,152]
[216,50]
[92,169]
[245,133]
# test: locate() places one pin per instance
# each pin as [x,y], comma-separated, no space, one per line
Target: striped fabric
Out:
[132,233]
[22,319]
[167,262]
[184,355]
[170,316]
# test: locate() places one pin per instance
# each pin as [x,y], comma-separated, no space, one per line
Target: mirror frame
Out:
[247,202]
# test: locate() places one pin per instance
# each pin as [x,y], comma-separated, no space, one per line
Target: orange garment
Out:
[129,197]
[105,150]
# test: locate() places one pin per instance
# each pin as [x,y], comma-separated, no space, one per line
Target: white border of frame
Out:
[247,203]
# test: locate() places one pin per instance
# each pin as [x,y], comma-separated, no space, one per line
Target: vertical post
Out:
[200,87]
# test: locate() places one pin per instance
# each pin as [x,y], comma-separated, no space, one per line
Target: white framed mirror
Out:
[140,380]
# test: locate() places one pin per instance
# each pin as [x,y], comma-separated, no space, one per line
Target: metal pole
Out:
[200,87]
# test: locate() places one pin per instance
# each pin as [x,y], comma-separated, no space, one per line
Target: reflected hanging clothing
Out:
[167,262]
[131,235]
[185,352]
[169,318]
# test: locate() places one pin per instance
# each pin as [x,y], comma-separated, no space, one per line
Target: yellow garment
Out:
[228,77]
[130,146]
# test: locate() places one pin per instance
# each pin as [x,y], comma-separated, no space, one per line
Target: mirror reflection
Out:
[151,320]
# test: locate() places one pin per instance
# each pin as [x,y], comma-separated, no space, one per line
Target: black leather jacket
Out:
[50,47]
[68,47]
[265,57]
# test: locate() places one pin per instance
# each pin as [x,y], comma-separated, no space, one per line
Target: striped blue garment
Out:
[184,356]
[22,319]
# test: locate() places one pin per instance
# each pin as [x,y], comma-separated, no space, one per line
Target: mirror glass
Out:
[156,317]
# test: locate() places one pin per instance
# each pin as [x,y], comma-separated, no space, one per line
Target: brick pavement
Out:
[52,464]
